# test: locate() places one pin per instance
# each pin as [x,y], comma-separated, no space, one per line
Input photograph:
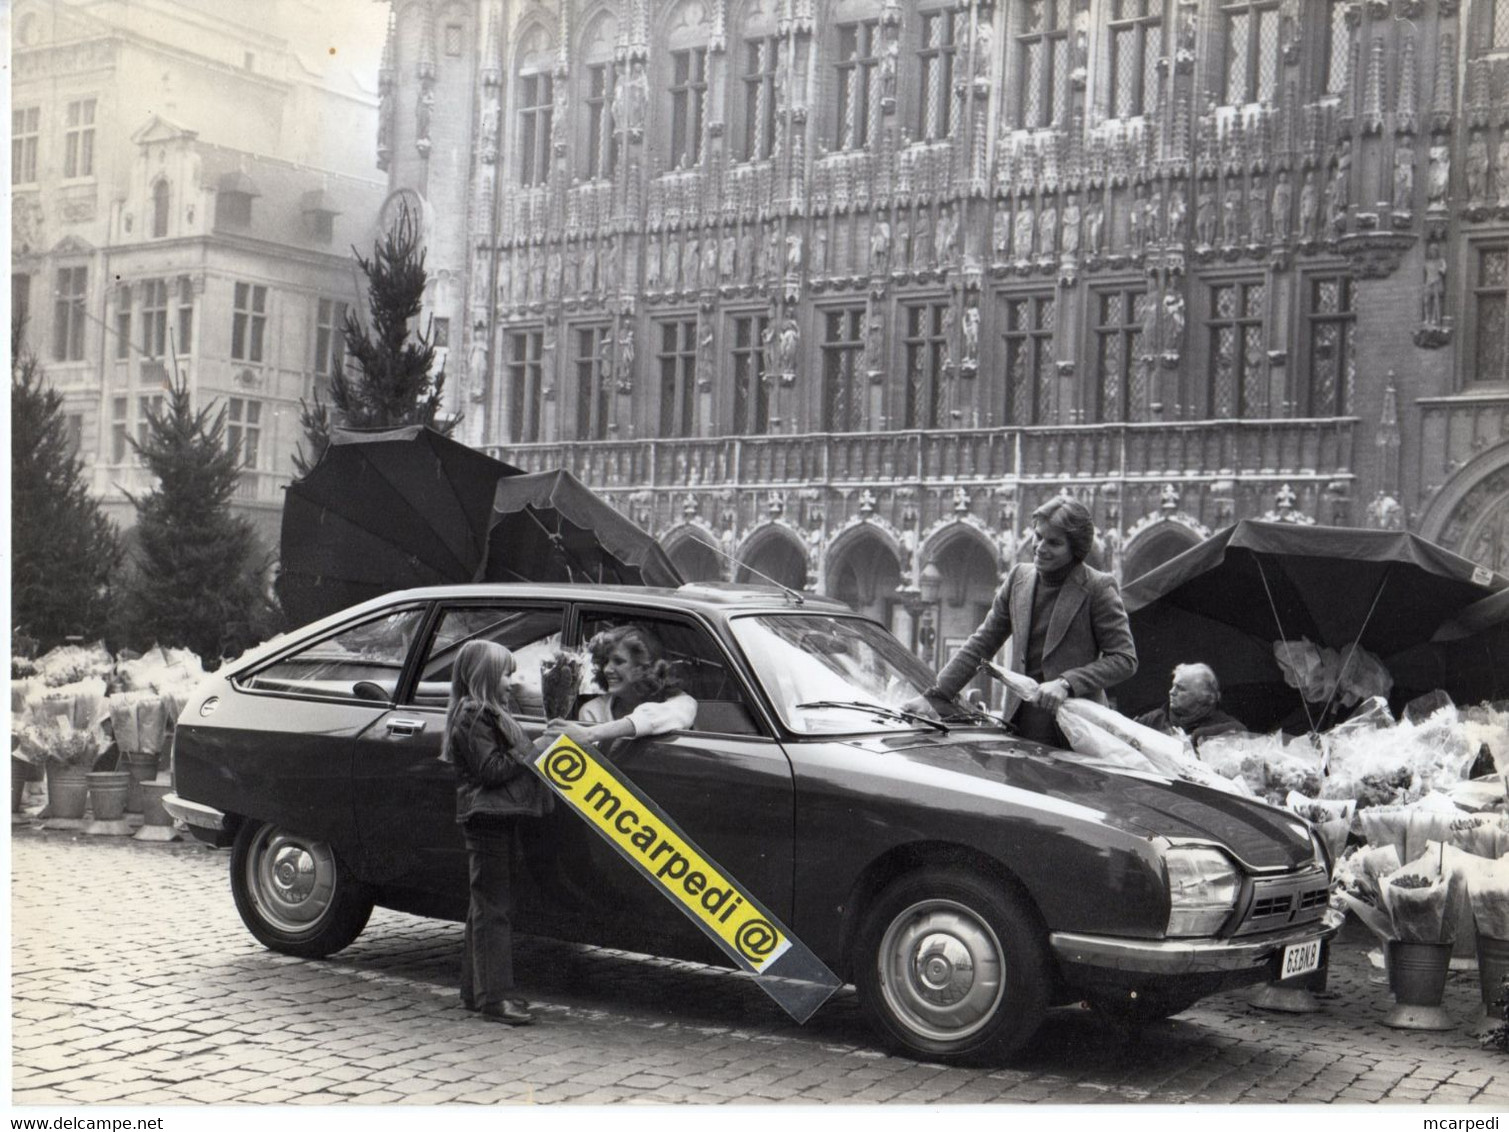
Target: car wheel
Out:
[952,967]
[294,894]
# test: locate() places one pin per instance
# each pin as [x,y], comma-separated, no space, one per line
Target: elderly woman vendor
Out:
[642,695]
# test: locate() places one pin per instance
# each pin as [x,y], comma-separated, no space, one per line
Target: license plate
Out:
[1300,959]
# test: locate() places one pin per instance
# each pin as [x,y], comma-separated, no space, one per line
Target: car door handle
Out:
[405,726]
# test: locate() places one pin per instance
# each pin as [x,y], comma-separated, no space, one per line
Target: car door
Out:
[725,781]
[404,795]
[302,714]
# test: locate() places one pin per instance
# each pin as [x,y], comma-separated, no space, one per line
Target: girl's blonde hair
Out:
[477,677]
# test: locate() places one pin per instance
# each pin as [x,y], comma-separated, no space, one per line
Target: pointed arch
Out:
[776,550]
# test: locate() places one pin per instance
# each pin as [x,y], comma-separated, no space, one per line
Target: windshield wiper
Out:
[880,710]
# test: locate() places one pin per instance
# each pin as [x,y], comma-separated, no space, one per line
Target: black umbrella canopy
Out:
[550,527]
[1227,600]
[384,510]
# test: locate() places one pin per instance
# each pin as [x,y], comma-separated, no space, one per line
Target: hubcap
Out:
[291,880]
[942,970]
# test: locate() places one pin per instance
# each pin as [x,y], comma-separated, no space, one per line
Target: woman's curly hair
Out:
[643,647]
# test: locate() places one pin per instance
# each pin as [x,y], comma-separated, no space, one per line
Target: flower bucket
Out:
[156,822]
[67,795]
[142,767]
[107,801]
[1493,968]
[1417,976]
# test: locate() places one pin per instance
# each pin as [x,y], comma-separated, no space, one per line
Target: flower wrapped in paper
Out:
[1417,908]
[1488,892]
[1271,766]
[560,684]
[1331,819]
[1409,828]
[1482,835]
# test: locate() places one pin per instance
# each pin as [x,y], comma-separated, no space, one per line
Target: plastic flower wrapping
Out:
[1353,673]
[560,683]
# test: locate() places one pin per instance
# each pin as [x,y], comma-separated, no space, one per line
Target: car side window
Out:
[700,666]
[363,662]
[532,634]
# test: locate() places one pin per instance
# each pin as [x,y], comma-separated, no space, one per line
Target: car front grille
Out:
[1281,902]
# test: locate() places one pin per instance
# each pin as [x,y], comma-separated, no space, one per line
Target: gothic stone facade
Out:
[845,288]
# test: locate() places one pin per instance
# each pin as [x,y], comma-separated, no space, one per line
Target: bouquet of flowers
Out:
[1331,819]
[1417,908]
[560,683]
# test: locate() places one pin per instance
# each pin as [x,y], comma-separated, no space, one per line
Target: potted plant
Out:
[69,749]
[1419,954]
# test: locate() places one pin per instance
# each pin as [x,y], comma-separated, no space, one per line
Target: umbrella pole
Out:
[1352,648]
[1273,607]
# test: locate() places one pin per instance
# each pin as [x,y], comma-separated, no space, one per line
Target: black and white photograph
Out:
[943,559]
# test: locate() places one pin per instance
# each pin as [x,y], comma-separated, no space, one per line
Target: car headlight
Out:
[1203,884]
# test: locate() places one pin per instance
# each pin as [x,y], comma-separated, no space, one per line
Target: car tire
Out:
[294,894]
[952,967]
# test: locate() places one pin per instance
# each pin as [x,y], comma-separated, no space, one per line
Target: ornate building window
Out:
[1251,51]
[154,318]
[243,431]
[858,73]
[593,378]
[926,347]
[185,343]
[751,416]
[1028,340]
[935,66]
[123,324]
[150,403]
[1331,347]
[329,340]
[20,298]
[78,139]
[454,34]
[25,128]
[68,314]
[160,201]
[1491,316]
[758,81]
[526,349]
[688,105]
[1136,46]
[602,136]
[1043,54]
[119,407]
[1338,45]
[1495,14]
[843,382]
[678,376]
[1120,390]
[1236,351]
[248,322]
[536,104]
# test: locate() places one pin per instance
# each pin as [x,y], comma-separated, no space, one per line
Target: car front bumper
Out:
[1106,955]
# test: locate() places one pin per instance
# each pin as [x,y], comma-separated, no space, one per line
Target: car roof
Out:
[724,596]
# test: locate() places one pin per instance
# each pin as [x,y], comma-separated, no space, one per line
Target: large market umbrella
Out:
[550,527]
[384,510]
[1469,655]
[1227,600]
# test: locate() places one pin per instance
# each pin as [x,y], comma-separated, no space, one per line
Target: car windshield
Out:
[829,675]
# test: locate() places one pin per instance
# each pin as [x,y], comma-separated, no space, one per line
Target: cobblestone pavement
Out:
[134,982]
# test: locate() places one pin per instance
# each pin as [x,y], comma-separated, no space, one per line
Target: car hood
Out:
[1261,836]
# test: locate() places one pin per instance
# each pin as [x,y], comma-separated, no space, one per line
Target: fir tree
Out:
[64,550]
[197,579]
[390,384]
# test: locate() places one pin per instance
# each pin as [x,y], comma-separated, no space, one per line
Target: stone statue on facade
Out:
[1477,168]
[1177,207]
[625,353]
[652,264]
[1095,224]
[1231,215]
[1440,177]
[971,331]
[1309,206]
[1023,233]
[880,245]
[947,231]
[1404,178]
[728,257]
[691,261]
[553,273]
[1283,199]
[746,255]
[709,261]
[1047,229]
[1137,222]
[1000,233]
[1205,216]
[611,265]
[1433,309]
[1257,212]
[1173,325]
[793,253]
[1071,226]
[1501,170]
[790,340]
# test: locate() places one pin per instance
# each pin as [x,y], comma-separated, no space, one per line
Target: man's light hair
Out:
[1204,678]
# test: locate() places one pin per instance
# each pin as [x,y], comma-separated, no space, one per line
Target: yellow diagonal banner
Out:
[649,840]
